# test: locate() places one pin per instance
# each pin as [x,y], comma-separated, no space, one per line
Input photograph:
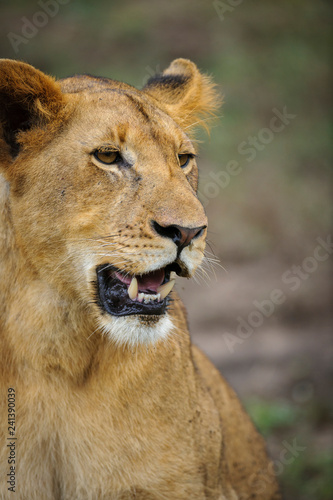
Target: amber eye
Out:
[108,157]
[184,160]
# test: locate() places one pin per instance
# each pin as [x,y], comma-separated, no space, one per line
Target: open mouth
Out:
[123,294]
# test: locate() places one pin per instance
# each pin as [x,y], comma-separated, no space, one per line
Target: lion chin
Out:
[132,331]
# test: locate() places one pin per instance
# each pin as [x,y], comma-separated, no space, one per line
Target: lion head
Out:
[98,183]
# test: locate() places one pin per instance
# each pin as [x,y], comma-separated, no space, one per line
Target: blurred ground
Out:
[266,183]
[283,350]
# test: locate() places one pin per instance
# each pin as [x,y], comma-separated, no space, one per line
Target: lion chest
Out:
[93,445]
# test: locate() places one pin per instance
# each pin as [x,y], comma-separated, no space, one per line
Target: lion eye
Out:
[184,160]
[108,157]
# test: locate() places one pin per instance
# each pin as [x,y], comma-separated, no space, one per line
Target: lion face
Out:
[103,200]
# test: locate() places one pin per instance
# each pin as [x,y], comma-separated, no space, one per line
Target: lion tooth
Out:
[165,289]
[140,297]
[133,288]
[149,298]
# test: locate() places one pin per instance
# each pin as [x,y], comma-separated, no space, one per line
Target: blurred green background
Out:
[267,58]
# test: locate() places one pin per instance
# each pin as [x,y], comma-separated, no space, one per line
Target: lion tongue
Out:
[147,282]
[149,287]
[151,281]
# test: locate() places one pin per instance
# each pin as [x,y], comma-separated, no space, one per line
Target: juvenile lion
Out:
[102,394]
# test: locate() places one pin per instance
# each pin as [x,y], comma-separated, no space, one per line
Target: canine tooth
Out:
[165,289]
[133,288]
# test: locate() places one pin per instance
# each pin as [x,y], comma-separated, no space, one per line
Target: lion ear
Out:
[28,98]
[189,96]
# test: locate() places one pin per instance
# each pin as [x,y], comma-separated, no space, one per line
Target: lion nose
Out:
[181,236]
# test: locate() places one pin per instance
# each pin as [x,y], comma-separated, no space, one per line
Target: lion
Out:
[103,394]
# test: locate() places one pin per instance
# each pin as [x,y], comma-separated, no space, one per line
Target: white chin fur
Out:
[132,331]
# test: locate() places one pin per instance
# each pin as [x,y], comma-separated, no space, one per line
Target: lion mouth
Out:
[123,294]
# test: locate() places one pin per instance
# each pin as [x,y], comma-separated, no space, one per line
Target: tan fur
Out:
[108,409]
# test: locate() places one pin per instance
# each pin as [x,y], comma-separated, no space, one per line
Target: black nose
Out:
[181,236]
